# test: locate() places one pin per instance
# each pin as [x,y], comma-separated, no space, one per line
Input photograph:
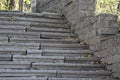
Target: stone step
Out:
[54,35]
[28,73]
[32,15]
[20,34]
[3,39]
[22,78]
[15,23]
[82,60]
[5,57]
[14,65]
[63,46]
[81,79]
[19,45]
[24,19]
[47,29]
[38,58]
[12,28]
[54,73]
[83,74]
[67,53]
[35,78]
[26,40]
[67,66]
[9,51]
[50,25]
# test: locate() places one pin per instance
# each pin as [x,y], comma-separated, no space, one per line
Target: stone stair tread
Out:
[57,35]
[14,65]
[15,23]
[31,58]
[69,51]
[83,58]
[104,73]
[51,73]
[81,79]
[47,20]
[37,64]
[26,40]
[50,25]
[22,78]
[19,44]
[43,29]
[12,27]
[51,13]
[51,45]
[31,15]
[3,39]
[9,51]
[28,73]
[5,57]
[20,34]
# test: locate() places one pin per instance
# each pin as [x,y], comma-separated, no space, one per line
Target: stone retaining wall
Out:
[109,50]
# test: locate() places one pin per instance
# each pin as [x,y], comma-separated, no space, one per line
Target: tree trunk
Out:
[21,4]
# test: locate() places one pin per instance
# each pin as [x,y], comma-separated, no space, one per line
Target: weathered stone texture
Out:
[90,29]
[107,24]
[109,50]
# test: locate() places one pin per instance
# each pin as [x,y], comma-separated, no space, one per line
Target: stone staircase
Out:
[41,47]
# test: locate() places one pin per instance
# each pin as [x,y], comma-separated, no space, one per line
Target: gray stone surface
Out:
[14,65]
[67,66]
[28,73]
[38,58]
[106,24]
[5,57]
[79,74]
[54,63]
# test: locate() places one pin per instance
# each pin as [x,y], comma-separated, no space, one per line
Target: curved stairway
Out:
[41,47]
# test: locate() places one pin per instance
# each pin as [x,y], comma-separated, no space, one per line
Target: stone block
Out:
[107,24]
[111,59]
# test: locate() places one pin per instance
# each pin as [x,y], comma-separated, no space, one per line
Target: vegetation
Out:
[14,5]
[107,6]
